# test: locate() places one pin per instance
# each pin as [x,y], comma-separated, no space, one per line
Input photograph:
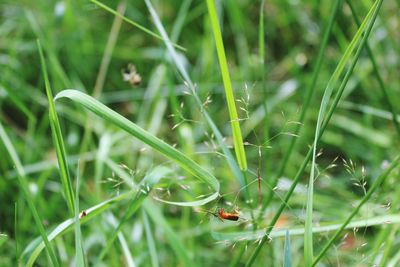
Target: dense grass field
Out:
[199,133]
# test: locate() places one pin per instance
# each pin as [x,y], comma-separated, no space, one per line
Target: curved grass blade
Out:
[57,138]
[236,132]
[157,144]
[24,186]
[137,25]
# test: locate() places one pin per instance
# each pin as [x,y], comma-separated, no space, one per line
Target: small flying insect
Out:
[130,75]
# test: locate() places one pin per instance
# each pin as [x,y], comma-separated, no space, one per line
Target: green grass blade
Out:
[378,75]
[144,189]
[33,250]
[236,132]
[150,240]
[170,152]
[309,154]
[57,138]
[287,259]
[79,252]
[241,236]
[24,186]
[308,239]
[135,24]
[364,200]
[228,156]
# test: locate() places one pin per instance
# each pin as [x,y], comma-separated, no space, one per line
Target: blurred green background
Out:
[88,49]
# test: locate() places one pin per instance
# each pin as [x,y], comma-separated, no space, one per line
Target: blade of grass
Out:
[236,132]
[150,241]
[57,138]
[135,24]
[324,125]
[122,240]
[79,252]
[388,246]
[308,238]
[170,152]
[261,55]
[24,186]
[367,196]
[380,220]
[287,260]
[377,74]
[134,205]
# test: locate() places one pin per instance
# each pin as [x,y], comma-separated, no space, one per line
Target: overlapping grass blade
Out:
[24,187]
[377,74]
[33,250]
[368,21]
[230,99]
[57,138]
[157,144]
[374,10]
[179,65]
[143,190]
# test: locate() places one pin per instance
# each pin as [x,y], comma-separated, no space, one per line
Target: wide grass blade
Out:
[364,200]
[157,144]
[237,134]
[133,23]
[24,187]
[57,138]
